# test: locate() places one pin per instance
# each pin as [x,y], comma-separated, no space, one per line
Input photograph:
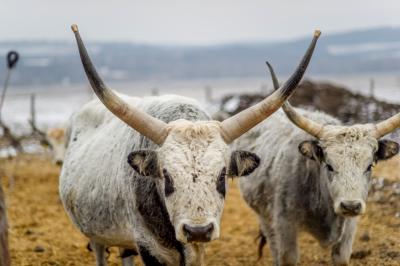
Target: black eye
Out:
[221,182]
[369,168]
[329,167]
[169,183]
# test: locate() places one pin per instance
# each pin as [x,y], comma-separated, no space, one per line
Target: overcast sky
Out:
[188,21]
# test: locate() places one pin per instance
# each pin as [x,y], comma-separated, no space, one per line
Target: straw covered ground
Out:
[42,234]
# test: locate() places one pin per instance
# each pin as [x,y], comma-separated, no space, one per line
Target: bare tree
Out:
[36,132]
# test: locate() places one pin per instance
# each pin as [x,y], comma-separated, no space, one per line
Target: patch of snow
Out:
[232,104]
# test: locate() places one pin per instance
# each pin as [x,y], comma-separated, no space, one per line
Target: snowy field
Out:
[55,104]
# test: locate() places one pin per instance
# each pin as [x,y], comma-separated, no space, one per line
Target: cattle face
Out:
[193,163]
[346,156]
[57,140]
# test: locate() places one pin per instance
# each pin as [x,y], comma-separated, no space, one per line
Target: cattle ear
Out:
[242,163]
[311,150]
[144,162]
[387,149]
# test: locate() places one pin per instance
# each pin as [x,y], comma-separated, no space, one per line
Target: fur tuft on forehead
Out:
[203,130]
[349,135]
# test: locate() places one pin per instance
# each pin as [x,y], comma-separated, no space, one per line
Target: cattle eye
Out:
[329,167]
[369,168]
[221,182]
[169,183]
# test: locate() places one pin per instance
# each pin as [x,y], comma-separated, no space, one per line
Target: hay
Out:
[42,234]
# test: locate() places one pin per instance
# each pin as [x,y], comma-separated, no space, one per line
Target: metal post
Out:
[12,59]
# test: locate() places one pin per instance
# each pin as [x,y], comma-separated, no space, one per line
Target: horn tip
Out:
[317,33]
[74,28]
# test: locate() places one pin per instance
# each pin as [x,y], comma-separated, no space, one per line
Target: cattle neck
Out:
[323,221]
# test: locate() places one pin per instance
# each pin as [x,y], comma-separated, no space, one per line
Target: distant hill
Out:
[45,63]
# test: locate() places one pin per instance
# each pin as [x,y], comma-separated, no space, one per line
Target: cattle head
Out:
[56,138]
[345,155]
[193,159]
[192,166]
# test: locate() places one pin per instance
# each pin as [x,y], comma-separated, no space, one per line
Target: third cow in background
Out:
[57,139]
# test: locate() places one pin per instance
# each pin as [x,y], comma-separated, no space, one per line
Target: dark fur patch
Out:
[169,183]
[243,163]
[221,187]
[387,149]
[147,258]
[144,162]
[153,211]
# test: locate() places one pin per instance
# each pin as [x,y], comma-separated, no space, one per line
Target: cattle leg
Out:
[268,232]
[127,256]
[99,251]
[341,252]
[263,235]
[287,242]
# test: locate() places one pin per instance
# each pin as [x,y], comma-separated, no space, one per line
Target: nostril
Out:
[209,228]
[198,233]
[59,162]
[186,229]
[351,206]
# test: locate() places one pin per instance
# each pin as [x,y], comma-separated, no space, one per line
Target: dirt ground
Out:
[42,234]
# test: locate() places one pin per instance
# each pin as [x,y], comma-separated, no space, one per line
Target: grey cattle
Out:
[155,181]
[313,176]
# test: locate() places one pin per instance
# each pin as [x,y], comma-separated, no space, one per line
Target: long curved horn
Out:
[145,124]
[237,125]
[313,128]
[385,127]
